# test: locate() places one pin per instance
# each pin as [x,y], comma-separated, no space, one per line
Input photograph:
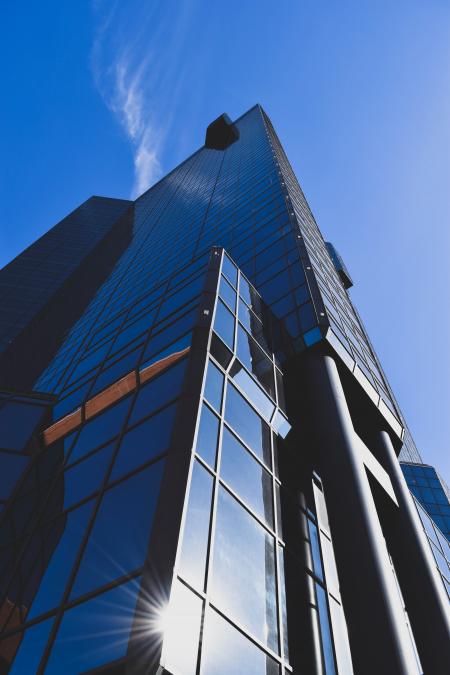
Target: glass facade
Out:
[162,502]
[430,490]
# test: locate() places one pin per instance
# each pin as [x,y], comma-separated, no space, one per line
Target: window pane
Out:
[224,324]
[226,650]
[248,424]
[86,477]
[61,539]
[243,579]
[145,441]
[325,630]
[30,649]
[95,632]
[119,539]
[101,429]
[229,270]
[214,386]
[182,631]
[159,391]
[252,390]
[248,478]
[17,423]
[207,436]
[196,531]
[315,550]
[227,293]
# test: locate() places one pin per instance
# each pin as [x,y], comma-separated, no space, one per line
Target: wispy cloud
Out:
[137,65]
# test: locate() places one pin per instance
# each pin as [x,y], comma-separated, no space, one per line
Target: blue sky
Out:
[105,97]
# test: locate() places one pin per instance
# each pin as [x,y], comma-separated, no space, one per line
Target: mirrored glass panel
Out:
[226,650]
[246,477]
[243,577]
[248,424]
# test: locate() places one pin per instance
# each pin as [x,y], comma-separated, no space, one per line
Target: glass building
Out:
[198,444]
[431,491]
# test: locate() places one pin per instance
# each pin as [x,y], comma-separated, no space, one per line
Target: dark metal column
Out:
[375,618]
[423,591]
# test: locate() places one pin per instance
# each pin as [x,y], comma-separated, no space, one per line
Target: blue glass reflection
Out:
[207,436]
[214,386]
[144,442]
[31,648]
[159,391]
[86,477]
[62,539]
[119,539]
[100,429]
[94,632]
[248,424]
[224,324]
[246,477]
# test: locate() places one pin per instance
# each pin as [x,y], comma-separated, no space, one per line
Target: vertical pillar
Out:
[423,591]
[377,629]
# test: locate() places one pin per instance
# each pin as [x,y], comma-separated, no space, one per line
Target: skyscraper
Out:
[199,443]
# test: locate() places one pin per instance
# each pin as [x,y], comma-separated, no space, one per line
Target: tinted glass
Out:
[91,634]
[101,429]
[61,538]
[158,391]
[87,476]
[145,441]
[118,542]
[30,650]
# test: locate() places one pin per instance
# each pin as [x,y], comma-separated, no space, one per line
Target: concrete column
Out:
[377,630]
[425,598]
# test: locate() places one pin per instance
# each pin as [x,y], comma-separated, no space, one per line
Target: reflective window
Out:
[254,393]
[246,477]
[243,577]
[325,631]
[224,324]
[196,530]
[315,549]
[147,440]
[226,650]
[248,424]
[86,477]
[227,293]
[255,360]
[245,291]
[118,542]
[207,436]
[100,429]
[182,630]
[229,270]
[30,649]
[61,539]
[94,632]
[159,391]
[214,386]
